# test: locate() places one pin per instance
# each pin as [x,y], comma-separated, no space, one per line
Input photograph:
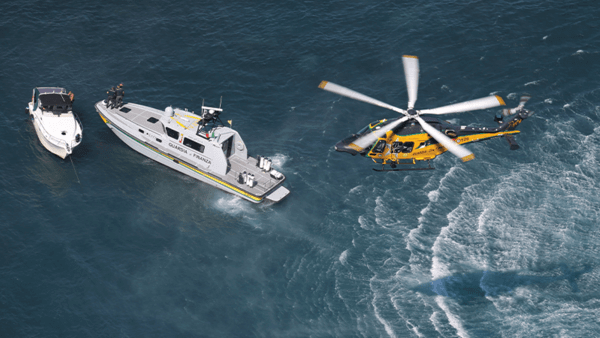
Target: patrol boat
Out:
[198,145]
[56,125]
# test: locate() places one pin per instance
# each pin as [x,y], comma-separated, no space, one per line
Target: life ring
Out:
[240,145]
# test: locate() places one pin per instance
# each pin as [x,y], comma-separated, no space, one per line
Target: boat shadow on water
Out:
[474,286]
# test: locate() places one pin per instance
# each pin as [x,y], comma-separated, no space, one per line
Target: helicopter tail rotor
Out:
[517,109]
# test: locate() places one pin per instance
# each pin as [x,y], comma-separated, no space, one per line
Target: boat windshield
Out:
[206,129]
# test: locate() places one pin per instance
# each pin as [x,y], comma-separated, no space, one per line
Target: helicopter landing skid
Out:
[407,169]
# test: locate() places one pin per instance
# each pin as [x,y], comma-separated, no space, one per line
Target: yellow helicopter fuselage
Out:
[424,147]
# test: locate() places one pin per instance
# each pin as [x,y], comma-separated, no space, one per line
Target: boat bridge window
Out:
[204,130]
[152,120]
[226,146]
[172,133]
[193,144]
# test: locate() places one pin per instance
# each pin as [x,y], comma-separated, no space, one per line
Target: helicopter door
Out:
[227,147]
[399,147]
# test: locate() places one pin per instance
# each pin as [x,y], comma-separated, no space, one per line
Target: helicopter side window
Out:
[379,147]
[396,147]
[408,147]
[427,143]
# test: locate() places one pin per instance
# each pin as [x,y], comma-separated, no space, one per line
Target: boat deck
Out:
[140,115]
[264,181]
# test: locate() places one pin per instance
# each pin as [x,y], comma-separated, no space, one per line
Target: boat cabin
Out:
[53,100]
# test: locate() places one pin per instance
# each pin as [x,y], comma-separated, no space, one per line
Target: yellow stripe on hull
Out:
[189,167]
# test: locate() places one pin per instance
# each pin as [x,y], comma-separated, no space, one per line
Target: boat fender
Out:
[245,177]
[250,180]
[267,164]
[261,163]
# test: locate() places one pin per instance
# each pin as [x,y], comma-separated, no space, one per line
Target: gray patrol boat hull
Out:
[151,141]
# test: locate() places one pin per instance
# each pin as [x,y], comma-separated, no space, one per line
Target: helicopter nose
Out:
[344,148]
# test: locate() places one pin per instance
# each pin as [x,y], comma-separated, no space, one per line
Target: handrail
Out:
[78,121]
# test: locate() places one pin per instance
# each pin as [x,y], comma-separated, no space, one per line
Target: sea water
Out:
[505,245]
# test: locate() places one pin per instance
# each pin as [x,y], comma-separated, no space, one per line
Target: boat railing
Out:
[78,121]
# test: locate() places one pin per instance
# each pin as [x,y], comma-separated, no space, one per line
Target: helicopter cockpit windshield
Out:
[375,125]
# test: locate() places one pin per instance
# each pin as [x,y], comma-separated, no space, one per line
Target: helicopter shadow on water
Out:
[474,286]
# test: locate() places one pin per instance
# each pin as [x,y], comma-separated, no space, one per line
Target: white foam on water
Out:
[355,189]
[436,321]
[344,257]
[386,325]
[536,82]
[545,37]
[279,160]
[414,329]
[364,223]
[579,52]
[446,88]
[236,206]
[433,196]
[511,96]
[452,318]
[438,269]
[549,101]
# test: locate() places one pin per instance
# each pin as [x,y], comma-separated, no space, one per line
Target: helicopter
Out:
[414,137]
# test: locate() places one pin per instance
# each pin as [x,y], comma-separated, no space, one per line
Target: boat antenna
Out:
[202,102]
[220,102]
[71,158]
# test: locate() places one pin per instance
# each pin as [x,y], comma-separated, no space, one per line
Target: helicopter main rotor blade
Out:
[523,100]
[367,140]
[482,103]
[332,87]
[463,153]
[411,72]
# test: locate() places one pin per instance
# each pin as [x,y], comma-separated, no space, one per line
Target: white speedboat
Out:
[198,145]
[57,127]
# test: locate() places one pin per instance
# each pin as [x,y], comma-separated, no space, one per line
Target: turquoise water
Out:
[505,245]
